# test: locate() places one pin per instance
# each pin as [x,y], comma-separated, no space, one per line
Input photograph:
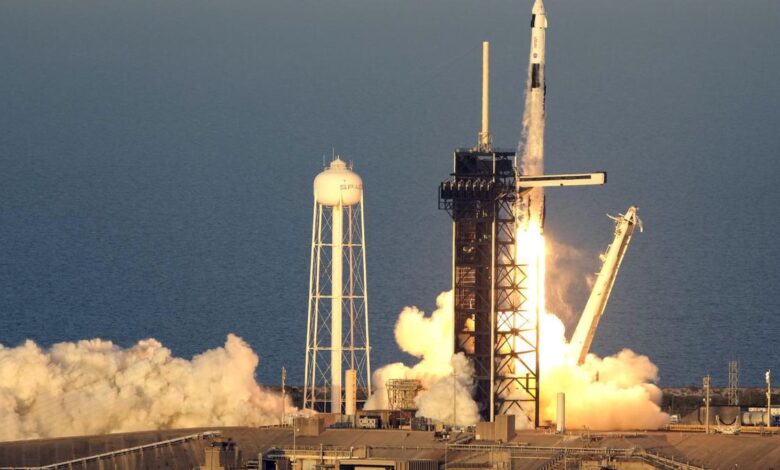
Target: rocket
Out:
[531,200]
[538,27]
[531,180]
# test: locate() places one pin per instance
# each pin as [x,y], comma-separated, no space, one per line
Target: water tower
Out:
[338,364]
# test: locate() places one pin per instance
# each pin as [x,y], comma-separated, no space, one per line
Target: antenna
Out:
[284,392]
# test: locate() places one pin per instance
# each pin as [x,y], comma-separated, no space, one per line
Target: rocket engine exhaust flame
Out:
[612,393]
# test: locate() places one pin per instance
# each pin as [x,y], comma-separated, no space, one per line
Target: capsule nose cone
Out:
[538,8]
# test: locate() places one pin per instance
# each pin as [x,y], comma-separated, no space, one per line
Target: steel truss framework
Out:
[356,345]
[732,393]
[493,326]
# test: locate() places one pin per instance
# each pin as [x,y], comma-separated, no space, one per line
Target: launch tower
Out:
[496,325]
[487,283]
[333,345]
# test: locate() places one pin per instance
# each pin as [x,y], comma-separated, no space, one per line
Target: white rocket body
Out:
[531,207]
[538,27]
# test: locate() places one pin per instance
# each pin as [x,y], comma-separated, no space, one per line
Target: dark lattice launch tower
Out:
[487,284]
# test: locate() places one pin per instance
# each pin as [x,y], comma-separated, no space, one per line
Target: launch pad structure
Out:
[401,393]
[495,324]
[487,283]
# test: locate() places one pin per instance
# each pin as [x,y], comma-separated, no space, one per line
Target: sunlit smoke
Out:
[446,378]
[616,392]
[95,387]
[613,393]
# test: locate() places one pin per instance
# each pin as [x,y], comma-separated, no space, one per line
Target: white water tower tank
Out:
[338,183]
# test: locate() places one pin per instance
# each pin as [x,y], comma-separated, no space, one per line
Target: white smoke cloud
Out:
[617,392]
[96,387]
[612,393]
[430,338]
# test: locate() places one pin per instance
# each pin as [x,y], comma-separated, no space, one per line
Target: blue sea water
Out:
[156,161]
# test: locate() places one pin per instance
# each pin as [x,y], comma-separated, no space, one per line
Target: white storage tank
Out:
[338,184]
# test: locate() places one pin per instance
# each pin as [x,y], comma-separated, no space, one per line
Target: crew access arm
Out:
[594,309]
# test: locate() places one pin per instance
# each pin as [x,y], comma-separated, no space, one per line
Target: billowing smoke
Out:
[613,393]
[96,387]
[446,378]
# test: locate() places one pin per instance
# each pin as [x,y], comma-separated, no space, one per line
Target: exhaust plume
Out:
[95,387]
[617,392]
